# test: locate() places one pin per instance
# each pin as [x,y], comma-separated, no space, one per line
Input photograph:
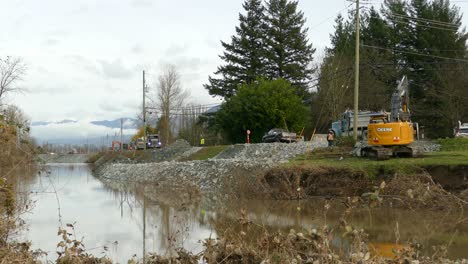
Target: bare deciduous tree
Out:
[15,116]
[12,69]
[170,98]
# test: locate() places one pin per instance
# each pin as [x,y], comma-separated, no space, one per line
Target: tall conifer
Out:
[289,53]
[244,55]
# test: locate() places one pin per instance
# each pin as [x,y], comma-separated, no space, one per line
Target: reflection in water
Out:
[113,217]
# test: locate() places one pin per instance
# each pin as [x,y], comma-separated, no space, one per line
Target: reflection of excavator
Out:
[390,135]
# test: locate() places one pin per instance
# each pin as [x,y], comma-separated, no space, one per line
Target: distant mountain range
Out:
[45,123]
[96,141]
[99,132]
[128,123]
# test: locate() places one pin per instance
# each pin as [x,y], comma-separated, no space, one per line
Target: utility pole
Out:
[121,134]
[18,140]
[356,76]
[144,226]
[144,110]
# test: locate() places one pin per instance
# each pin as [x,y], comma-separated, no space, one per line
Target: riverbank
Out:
[206,186]
[294,171]
[63,158]
[14,157]
[220,170]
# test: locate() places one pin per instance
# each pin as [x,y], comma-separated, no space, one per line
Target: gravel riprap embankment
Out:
[237,160]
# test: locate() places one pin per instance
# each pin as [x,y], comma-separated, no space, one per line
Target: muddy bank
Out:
[421,189]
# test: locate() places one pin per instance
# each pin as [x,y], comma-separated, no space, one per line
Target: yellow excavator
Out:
[391,135]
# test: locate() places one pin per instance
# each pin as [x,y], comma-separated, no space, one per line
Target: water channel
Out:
[114,219]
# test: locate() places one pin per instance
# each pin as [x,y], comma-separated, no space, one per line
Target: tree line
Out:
[422,39]
[271,54]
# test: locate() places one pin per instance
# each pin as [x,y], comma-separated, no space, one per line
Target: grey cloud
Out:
[115,69]
[175,50]
[212,43]
[130,104]
[109,106]
[49,89]
[80,9]
[137,49]
[142,3]
[183,63]
[82,63]
[50,42]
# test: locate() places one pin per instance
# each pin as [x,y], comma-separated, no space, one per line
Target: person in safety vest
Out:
[331,137]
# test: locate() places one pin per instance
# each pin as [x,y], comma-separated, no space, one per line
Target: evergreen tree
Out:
[244,55]
[260,106]
[289,54]
[422,39]
[436,35]
[341,38]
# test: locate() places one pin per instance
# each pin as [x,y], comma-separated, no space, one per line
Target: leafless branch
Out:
[12,69]
[170,96]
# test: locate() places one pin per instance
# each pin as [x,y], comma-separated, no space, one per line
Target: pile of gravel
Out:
[172,151]
[424,146]
[269,151]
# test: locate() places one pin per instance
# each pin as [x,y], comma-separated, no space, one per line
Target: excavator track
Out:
[377,153]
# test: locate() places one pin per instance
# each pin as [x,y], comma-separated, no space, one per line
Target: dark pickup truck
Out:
[279,135]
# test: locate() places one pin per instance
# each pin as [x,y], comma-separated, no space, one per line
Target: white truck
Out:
[461,130]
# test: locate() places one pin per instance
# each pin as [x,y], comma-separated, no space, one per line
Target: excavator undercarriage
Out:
[385,153]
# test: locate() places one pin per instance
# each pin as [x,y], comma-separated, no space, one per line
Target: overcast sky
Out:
[85,57]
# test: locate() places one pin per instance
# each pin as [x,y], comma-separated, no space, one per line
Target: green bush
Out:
[453,144]
[344,141]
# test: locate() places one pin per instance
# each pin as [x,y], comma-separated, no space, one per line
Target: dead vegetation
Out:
[12,156]
[401,189]
[298,182]
[243,241]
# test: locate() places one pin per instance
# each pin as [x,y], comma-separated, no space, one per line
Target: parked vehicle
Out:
[154,141]
[461,130]
[345,125]
[140,144]
[279,135]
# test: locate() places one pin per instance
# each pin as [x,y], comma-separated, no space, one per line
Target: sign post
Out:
[248,136]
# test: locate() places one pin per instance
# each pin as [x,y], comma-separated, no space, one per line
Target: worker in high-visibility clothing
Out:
[202,141]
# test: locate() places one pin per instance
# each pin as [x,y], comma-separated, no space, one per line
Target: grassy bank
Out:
[206,153]
[454,152]
[341,158]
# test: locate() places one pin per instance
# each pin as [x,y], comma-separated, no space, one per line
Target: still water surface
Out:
[106,217]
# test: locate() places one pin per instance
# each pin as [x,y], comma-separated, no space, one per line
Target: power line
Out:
[328,18]
[415,53]
[426,26]
[425,20]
